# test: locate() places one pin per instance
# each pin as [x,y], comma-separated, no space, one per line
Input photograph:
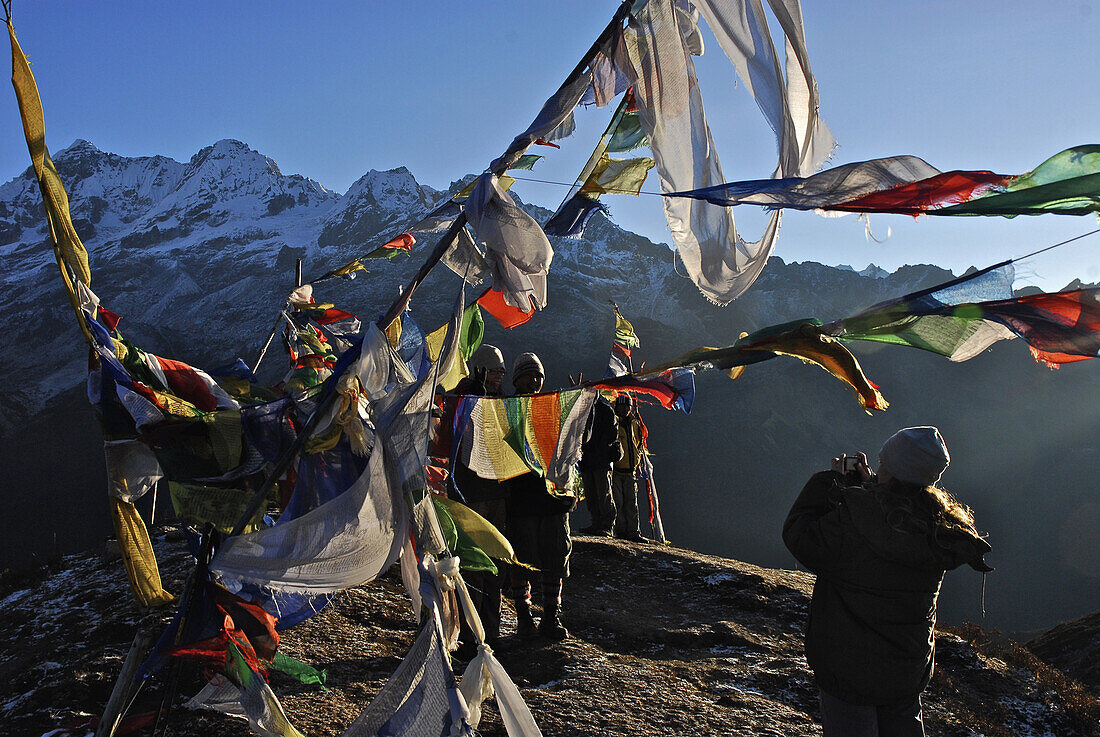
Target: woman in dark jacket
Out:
[879,549]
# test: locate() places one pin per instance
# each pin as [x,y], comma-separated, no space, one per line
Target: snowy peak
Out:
[229,179]
[378,202]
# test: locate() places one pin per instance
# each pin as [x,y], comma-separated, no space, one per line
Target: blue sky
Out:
[333,89]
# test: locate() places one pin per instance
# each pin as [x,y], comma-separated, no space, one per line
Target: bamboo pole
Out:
[124,686]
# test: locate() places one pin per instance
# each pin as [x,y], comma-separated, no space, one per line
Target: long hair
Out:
[930,507]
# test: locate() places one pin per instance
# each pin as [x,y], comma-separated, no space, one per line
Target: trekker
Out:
[879,544]
[538,528]
[624,481]
[486,373]
[598,451]
[487,497]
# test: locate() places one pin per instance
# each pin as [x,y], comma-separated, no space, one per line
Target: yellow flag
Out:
[355,265]
[66,241]
[617,176]
[504,181]
[479,530]
[459,370]
[393,332]
[137,554]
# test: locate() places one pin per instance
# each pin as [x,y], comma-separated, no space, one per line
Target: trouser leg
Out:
[626,501]
[906,720]
[597,496]
[487,594]
[551,627]
[841,719]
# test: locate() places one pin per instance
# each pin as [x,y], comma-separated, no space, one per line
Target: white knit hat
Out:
[487,357]
[915,455]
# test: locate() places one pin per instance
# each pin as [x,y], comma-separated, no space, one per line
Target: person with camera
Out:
[879,543]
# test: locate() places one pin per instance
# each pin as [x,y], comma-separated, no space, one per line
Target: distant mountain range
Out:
[198,258]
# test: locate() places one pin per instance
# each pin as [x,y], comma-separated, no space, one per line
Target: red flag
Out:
[541,142]
[403,242]
[332,315]
[107,317]
[506,314]
[185,382]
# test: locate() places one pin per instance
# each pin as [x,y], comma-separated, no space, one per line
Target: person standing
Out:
[624,481]
[538,528]
[879,544]
[599,450]
[487,497]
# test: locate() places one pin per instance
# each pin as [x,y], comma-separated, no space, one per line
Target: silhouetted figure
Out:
[624,480]
[599,450]
[538,528]
[487,497]
[879,544]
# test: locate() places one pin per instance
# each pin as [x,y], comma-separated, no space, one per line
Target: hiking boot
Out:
[550,627]
[637,537]
[525,623]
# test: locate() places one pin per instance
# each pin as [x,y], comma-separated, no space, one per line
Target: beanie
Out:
[487,357]
[915,455]
[527,363]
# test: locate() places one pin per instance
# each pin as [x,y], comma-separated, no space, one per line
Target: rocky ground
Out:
[664,642]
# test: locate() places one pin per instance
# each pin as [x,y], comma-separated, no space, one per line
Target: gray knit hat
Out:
[487,357]
[915,455]
[527,363]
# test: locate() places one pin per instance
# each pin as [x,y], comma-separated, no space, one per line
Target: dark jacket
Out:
[869,639]
[601,439]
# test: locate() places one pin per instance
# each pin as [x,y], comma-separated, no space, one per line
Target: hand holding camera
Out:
[854,467]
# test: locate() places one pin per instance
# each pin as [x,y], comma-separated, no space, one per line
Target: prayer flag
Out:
[68,250]
[674,388]
[507,315]
[617,176]
[479,530]
[1064,184]
[572,217]
[628,134]
[1059,328]
[137,555]
[526,162]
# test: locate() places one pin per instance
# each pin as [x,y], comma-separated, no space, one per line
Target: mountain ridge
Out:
[207,288]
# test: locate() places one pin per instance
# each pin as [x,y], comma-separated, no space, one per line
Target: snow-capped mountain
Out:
[198,258]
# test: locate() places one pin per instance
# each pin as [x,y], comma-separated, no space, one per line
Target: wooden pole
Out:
[124,686]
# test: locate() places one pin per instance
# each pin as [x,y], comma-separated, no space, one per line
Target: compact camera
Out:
[851,464]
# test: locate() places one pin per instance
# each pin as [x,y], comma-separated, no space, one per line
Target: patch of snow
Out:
[13,597]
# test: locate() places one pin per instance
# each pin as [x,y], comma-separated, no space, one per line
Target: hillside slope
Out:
[664,641]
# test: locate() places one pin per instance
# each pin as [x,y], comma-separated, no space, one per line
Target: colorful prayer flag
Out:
[1064,184]
[954,321]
